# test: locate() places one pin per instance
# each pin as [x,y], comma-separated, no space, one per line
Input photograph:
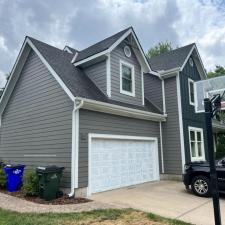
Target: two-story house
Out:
[111,117]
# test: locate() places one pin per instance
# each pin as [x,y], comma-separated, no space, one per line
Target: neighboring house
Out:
[107,114]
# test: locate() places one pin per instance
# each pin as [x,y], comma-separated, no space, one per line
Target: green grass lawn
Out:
[96,217]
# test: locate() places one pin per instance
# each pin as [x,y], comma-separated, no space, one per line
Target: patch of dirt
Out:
[64,200]
[133,218]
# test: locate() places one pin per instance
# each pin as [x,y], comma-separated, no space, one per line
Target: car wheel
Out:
[200,185]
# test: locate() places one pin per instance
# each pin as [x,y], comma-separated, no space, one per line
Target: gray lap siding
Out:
[101,123]
[37,121]
[171,130]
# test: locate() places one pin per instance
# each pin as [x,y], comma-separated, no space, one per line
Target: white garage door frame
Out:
[92,136]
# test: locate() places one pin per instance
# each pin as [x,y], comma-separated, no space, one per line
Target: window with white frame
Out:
[196,141]
[127,83]
[191,92]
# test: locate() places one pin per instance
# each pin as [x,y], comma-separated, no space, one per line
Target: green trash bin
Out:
[49,182]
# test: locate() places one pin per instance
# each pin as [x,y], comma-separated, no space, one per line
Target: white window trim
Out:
[189,91]
[196,129]
[132,78]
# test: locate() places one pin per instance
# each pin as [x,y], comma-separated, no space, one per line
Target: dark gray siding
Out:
[95,122]
[117,55]
[97,73]
[171,130]
[190,118]
[153,90]
[37,120]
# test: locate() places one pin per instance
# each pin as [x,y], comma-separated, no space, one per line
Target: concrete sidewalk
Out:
[165,198]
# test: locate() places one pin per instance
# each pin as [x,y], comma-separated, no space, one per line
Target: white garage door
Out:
[116,163]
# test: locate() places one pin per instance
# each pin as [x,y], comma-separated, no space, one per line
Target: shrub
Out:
[30,183]
[2,178]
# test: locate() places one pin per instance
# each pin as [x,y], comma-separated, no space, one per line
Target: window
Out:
[196,144]
[127,85]
[191,92]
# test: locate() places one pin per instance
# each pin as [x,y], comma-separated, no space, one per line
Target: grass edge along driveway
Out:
[106,217]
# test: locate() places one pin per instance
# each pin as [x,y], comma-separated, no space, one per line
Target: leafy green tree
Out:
[219,71]
[161,47]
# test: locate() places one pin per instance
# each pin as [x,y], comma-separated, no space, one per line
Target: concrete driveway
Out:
[165,198]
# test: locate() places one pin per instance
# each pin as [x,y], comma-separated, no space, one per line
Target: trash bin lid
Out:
[14,166]
[49,169]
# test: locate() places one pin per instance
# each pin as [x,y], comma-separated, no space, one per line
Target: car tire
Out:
[200,186]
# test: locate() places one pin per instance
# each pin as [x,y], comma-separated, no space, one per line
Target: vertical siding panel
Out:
[37,120]
[190,118]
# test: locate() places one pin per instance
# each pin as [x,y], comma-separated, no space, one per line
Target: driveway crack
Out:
[193,209]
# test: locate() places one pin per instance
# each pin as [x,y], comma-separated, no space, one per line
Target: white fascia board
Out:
[55,75]
[200,60]
[105,52]
[108,75]
[188,56]
[169,73]
[74,58]
[66,49]
[13,70]
[120,110]
[180,119]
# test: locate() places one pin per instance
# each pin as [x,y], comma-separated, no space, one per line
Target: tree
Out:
[219,71]
[161,47]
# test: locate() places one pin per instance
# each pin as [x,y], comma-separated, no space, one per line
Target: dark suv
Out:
[197,175]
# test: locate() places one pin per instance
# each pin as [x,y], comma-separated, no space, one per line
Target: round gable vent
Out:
[127,51]
[191,62]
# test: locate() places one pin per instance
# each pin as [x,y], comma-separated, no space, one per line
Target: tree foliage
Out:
[161,47]
[219,71]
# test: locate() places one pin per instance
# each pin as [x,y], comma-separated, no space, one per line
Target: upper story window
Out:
[191,92]
[127,83]
[196,142]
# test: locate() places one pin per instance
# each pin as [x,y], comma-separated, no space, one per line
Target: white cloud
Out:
[84,22]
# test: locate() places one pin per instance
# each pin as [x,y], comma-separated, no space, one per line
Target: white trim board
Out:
[121,110]
[114,45]
[197,129]
[122,137]
[108,75]
[132,93]
[29,43]
[189,91]
[180,121]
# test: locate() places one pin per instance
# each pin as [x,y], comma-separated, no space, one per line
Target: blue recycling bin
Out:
[14,176]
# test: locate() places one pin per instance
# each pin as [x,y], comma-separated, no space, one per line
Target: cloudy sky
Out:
[80,23]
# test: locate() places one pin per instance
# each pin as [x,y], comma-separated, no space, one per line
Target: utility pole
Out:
[209,114]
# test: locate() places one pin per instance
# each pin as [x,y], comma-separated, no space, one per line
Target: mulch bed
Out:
[64,200]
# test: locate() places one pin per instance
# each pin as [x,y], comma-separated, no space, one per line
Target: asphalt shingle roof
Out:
[100,46]
[170,60]
[76,80]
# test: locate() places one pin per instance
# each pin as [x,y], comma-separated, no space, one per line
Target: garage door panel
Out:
[117,163]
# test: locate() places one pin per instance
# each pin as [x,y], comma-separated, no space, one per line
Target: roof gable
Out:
[104,47]
[176,60]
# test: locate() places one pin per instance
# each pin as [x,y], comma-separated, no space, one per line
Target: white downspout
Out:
[75,145]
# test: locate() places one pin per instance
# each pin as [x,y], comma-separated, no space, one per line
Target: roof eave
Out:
[120,110]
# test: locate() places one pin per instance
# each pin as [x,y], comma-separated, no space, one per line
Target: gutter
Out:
[169,73]
[75,145]
[121,110]
[105,108]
